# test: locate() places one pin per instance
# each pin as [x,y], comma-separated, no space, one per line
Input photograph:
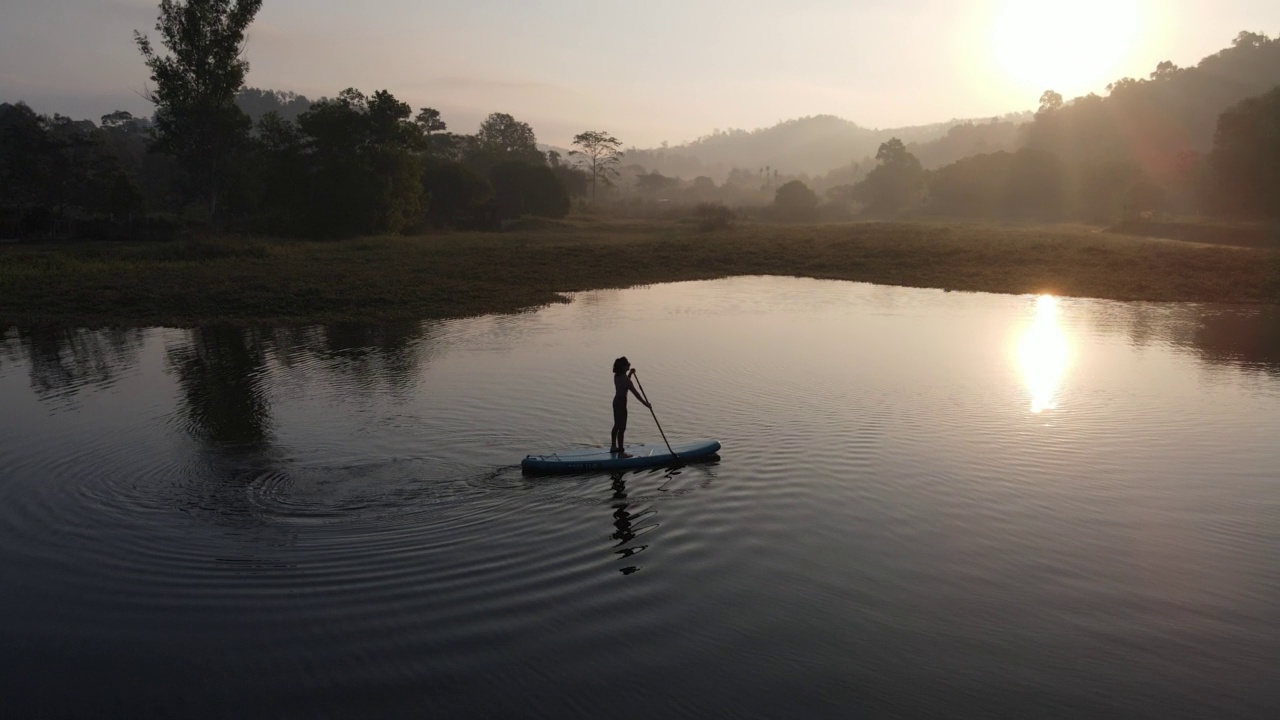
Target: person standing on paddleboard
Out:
[621,384]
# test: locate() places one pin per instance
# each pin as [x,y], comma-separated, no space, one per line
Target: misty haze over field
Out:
[326,119]
[661,71]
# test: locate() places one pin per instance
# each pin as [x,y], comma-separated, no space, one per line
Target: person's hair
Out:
[621,364]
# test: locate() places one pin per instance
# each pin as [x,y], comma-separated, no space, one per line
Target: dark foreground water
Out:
[927,504]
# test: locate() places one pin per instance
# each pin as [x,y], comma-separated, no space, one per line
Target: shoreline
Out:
[251,281]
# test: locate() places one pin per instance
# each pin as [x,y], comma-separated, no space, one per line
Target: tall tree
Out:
[502,138]
[892,152]
[896,184]
[118,118]
[435,138]
[795,201]
[365,173]
[1049,102]
[430,121]
[196,119]
[599,156]
[389,122]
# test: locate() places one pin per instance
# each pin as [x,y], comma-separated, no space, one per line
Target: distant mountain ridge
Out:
[810,145]
[1173,110]
[1173,107]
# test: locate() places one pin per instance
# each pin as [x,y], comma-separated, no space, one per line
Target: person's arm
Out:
[632,387]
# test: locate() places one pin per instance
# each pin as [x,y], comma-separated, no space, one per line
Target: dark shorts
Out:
[619,416]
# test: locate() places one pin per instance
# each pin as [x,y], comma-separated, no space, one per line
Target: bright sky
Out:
[646,71]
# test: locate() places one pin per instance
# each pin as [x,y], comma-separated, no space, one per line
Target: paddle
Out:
[654,414]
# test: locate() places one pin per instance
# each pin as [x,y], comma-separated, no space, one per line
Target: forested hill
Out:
[808,145]
[1187,101]
[1174,109]
[1155,122]
[1159,121]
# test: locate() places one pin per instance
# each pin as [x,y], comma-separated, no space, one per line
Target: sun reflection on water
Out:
[1042,355]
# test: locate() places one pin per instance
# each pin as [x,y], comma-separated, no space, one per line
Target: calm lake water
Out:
[927,503]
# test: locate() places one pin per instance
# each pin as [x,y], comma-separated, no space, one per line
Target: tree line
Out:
[349,165]
[227,157]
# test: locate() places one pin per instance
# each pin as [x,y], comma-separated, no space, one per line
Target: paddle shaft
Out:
[654,414]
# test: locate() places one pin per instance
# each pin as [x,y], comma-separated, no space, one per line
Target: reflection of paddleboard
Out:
[644,455]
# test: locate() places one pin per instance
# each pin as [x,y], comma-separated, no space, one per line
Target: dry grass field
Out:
[267,281]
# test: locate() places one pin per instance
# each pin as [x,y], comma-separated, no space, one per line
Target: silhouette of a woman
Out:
[621,385]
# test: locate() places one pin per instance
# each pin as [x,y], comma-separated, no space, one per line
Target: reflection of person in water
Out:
[621,385]
[624,524]
[621,518]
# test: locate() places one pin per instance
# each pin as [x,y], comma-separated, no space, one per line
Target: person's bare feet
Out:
[623,454]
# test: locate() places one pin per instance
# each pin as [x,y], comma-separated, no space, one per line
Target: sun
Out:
[1074,47]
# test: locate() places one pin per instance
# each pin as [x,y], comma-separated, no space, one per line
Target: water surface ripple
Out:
[928,504]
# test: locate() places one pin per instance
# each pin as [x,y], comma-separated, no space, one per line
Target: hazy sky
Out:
[650,70]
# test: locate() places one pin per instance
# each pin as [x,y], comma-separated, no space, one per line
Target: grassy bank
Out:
[1208,231]
[371,279]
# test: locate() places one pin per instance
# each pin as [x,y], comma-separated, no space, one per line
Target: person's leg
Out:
[619,426]
[620,418]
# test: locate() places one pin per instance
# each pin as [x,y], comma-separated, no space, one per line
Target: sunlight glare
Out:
[1042,355]
[1072,47]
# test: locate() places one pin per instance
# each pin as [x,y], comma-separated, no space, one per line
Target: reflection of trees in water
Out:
[361,356]
[1234,336]
[389,353]
[1241,337]
[221,370]
[228,380]
[1146,324]
[64,360]
[224,374]
[220,373]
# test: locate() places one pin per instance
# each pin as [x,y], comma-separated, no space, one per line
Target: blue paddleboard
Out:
[644,455]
